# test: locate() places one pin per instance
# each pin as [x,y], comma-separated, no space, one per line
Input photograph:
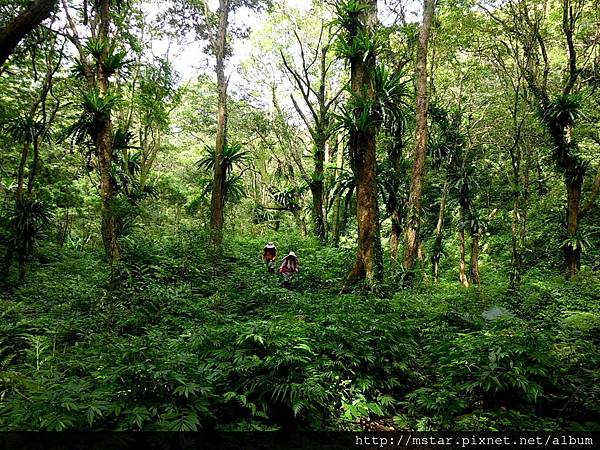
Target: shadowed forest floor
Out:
[184,344]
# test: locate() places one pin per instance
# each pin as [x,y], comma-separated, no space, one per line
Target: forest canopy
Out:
[300,215]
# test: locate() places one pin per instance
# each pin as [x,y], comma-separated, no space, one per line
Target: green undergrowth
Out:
[191,339]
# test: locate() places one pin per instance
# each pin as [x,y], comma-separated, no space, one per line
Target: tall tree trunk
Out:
[103,140]
[439,235]
[218,193]
[369,264]
[10,36]
[573,172]
[98,78]
[516,156]
[411,238]
[369,258]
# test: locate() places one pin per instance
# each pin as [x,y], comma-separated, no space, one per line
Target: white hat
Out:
[270,245]
[292,254]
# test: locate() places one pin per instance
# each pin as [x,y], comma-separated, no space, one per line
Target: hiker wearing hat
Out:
[289,267]
[269,256]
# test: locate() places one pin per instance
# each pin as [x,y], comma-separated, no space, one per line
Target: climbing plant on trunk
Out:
[359,43]
[98,61]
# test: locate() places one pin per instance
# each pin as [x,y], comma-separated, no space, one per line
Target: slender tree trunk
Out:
[218,192]
[464,280]
[103,141]
[519,225]
[525,205]
[541,186]
[475,258]
[148,158]
[64,229]
[411,238]
[34,165]
[439,235]
[369,258]
[10,36]
[395,156]
[21,170]
[317,190]
[22,267]
[395,234]
[421,254]
[517,259]
[573,253]
[300,222]
[344,209]
[337,202]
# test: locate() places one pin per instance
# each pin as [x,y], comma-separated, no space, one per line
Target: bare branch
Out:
[568,25]
[303,116]
[300,83]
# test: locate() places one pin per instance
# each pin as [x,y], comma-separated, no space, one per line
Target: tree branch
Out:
[22,25]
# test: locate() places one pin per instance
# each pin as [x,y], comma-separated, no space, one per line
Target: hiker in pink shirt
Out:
[289,267]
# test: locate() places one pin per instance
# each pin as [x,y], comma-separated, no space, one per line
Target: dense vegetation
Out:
[438,181]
